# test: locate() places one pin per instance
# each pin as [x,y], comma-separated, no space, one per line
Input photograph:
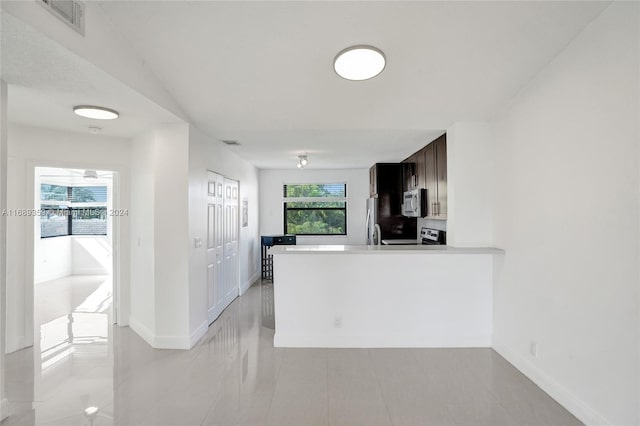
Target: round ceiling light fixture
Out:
[359,62]
[302,161]
[95,112]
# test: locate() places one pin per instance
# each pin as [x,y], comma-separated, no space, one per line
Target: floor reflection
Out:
[71,374]
[83,371]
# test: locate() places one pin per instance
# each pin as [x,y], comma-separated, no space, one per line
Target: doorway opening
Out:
[73,260]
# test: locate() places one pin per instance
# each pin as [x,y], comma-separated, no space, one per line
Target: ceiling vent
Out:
[230,142]
[68,11]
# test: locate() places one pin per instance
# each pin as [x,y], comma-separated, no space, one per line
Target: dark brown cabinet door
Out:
[430,178]
[421,169]
[427,169]
[409,173]
[441,174]
[373,184]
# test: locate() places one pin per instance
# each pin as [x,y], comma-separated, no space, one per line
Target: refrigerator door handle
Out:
[377,239]
[368,224]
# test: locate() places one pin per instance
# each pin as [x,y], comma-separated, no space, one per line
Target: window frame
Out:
[69,207]
[286,200]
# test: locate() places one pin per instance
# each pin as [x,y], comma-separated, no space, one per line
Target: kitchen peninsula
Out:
[383,296]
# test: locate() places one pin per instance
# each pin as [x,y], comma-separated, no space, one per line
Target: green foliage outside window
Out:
[311,216]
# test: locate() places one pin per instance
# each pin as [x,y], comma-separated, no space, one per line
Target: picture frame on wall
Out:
[245,212]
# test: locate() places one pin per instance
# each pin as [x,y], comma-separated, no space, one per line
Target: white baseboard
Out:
[90,271]
[172,342]
[244,287]
[51,276]
[198,333]
[377,341]
[159,342]
[15,344]
[141,330]
[4,409]
[563,396]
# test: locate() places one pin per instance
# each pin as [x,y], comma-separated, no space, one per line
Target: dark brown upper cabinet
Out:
[427,169]
[413,171]
[436,178]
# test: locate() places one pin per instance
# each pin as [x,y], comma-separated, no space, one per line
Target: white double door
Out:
[223,279]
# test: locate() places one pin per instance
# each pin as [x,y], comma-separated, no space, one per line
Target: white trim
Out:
[4,409]
[29,267]
[244,287]
[212,315]
[15,344]
[377,341]
[562,395]
[198,333]
[141,330]
[53,276]
[166,342]
[90,271]
[172,342]
[315,199]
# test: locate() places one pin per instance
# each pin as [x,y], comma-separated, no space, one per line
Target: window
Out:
[77,210]
[315,209]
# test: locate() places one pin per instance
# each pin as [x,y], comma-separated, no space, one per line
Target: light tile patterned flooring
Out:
[234,376]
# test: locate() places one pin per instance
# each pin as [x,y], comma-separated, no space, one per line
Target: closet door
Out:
[215,248]
[231,232]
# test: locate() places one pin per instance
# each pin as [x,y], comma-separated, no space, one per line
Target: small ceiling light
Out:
[359,62]
[302,161]
[95,112]
[90,174]
[299,165]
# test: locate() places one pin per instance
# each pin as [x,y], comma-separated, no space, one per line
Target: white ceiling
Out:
[46,81]
[261,72]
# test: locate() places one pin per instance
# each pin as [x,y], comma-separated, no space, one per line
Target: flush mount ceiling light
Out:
[359,62]
[302,161]
[95,112]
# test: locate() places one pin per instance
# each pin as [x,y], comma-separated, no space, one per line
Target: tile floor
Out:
[234,376]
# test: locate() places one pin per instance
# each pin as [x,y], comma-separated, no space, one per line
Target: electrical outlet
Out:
[533,349]
[337,322]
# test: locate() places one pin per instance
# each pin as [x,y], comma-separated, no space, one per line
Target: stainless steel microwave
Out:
[414,203]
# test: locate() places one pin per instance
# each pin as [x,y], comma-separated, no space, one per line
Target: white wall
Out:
[470,160]
[171,228]
[271,201]
[29,147]
[567,162]
[159,237]
[143,297]
[91,255]
[206,153]
[53,259]
[3,241]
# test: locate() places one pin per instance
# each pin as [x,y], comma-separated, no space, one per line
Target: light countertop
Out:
[360,249]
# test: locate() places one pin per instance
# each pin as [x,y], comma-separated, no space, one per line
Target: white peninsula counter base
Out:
[383,296]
